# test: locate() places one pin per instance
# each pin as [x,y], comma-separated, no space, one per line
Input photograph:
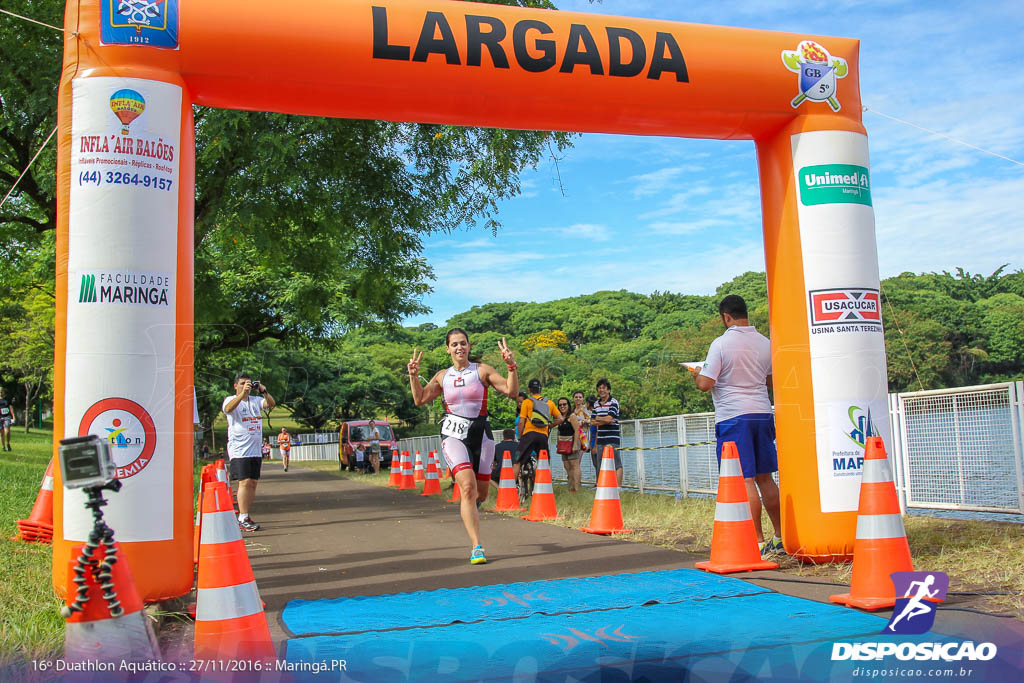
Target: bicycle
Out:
[525,480]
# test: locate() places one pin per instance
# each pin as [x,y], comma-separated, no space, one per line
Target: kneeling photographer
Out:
[245,438]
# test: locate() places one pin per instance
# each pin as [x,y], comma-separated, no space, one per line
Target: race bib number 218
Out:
[455,426]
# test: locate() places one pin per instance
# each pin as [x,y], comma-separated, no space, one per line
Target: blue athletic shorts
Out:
[754,434]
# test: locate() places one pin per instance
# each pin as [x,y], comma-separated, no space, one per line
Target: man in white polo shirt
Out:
[738,372]
[245,441]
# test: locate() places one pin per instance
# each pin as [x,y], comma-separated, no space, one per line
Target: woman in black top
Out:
[568,433]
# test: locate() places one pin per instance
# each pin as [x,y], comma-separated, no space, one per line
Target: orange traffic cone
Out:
[733,540]
[222,473]
[407,479]
[606,516]
[230,623]
[508,497]
[105,621]
[881,546]
[38,528]
[208,474]
[395,477]
[418,472]
[542,503]
[432,482]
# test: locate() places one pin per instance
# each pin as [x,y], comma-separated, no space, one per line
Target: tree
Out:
[1004,326]
[547,339]
[543,364]
[26,350]
[304,227]
[753,287]
[918,352]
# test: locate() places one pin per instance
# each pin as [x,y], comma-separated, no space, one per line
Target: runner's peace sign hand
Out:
[414,363]
[506,352]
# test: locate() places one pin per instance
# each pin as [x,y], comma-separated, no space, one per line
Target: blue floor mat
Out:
[766,636]
[505,601]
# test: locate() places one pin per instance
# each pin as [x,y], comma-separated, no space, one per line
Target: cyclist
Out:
[537,416]
[468,445]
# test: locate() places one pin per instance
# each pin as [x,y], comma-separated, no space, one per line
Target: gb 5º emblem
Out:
[818,72]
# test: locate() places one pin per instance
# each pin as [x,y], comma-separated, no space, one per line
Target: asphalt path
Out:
[327,537]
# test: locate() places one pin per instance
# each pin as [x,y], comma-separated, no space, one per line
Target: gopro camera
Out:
[85,462]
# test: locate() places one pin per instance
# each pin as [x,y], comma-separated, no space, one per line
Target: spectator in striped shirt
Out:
[606,416]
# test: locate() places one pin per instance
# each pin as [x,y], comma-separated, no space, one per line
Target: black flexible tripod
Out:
[101,534]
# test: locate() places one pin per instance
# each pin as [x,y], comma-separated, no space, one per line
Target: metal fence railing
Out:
[308,451]
[960,449]
[952,449]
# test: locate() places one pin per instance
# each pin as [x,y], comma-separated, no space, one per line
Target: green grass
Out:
[30,623]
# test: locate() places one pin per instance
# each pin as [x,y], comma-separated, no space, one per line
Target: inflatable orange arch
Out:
[133,70]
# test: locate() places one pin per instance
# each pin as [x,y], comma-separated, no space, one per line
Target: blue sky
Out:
[671,214]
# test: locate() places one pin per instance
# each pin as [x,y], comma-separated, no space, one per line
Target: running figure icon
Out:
[916,607]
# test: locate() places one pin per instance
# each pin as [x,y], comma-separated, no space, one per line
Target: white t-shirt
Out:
[739,361]
[245,427]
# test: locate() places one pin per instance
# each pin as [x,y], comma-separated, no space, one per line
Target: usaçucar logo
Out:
[847,305]
[153,23]
[818,72]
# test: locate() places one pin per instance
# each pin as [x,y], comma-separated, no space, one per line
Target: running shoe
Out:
[248,524]
[770,548]
[478,556]
[286,469]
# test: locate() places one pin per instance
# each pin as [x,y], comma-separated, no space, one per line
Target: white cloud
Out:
[655,182]
[583,232]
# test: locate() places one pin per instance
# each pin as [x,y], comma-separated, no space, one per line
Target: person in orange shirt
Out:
[284,442]
[537,415]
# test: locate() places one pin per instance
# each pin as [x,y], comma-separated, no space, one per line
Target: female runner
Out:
[468,444]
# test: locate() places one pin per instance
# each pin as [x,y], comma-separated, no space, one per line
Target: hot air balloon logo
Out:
[127,105]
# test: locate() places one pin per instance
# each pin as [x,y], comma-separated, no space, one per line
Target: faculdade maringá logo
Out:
[87,292]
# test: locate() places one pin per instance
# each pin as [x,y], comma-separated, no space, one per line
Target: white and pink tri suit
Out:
[465,396]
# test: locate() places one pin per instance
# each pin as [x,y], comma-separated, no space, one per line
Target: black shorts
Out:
[245,468]
[531,442]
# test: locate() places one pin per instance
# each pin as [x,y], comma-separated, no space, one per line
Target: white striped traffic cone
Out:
[418,472]
[230,623]
[881,546]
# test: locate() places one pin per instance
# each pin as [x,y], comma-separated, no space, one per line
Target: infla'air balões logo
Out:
[129,430]
[818,72]
[914,612]
[127,104]
[151,23]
